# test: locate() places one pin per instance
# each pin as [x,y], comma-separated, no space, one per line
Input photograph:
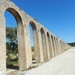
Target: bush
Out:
[11,60]
[8,61]
[32,48]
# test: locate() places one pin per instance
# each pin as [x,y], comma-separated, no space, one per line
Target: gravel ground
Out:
[63,64]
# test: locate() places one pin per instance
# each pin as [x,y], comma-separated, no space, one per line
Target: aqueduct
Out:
[46,44]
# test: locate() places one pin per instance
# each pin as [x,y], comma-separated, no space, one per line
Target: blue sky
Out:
[58,16]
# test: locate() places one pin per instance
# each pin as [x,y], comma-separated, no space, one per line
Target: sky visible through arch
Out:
[58,16]
[11,22]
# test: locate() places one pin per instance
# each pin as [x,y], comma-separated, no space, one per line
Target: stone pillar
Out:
[53,48]
[37,46]
[45,52]
[63,47]
[2,45]
[55,52]
[44,46]
[57,48]
[48,45]
[40,52]
[59,45]
[27,46]
[21,47]
[25,57]
[56,42]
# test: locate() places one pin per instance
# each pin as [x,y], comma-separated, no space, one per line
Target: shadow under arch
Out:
[33,25]
[55,52]
[20,37]
[42,31]
[55,44]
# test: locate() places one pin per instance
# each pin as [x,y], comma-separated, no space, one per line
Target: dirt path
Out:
[63,64]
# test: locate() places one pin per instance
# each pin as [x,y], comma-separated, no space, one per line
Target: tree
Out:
[11,39]
[11,33]
[32,48]
[11,44]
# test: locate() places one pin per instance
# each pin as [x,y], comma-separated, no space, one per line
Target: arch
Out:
[42,31]
[20,37]
[43,39]
[53,45]
[47,34]
[49,44]
[54,37]
[57,46]
[33,25]
[35,40]
[61,46]
[55,52]
[15,14]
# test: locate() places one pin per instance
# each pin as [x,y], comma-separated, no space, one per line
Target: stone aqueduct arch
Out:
[46,44]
